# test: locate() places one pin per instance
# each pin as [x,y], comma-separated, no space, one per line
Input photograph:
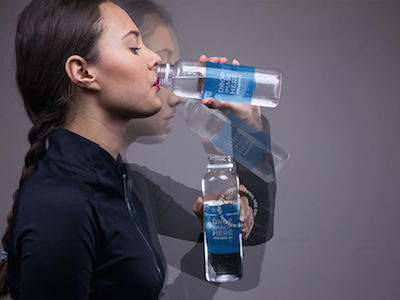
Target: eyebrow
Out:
[169,51]
[134,32]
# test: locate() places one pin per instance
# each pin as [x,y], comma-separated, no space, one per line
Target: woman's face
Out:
[155,128]
[126,69]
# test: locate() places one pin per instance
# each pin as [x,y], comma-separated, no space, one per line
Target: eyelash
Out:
[136,49]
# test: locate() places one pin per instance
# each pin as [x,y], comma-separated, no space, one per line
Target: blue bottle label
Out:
[229,82]
[222,228]
[243,142]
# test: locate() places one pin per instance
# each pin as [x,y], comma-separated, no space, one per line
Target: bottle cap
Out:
[163,72]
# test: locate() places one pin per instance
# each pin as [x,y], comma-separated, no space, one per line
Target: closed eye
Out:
[136,49]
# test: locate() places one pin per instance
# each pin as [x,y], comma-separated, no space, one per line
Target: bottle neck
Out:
[165,73]
[220,163]
[219,169]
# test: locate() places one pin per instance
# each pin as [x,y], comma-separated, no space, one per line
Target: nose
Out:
[153,59]
[173,100]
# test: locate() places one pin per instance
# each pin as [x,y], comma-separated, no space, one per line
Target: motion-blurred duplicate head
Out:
[158,34]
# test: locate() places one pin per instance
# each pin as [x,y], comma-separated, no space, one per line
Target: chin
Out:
[155,111]
[151,111]
[168,128]
[151,139]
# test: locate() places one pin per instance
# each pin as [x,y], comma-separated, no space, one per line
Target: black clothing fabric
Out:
[78,232]
[172,215]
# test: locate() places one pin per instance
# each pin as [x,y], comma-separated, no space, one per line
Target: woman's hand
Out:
[246,212]
[251,114]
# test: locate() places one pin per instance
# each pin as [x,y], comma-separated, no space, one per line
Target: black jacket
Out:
[78,232]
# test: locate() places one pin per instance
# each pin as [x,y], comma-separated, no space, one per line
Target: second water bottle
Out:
[248,146]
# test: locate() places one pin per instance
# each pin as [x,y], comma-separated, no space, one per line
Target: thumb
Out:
[198,209]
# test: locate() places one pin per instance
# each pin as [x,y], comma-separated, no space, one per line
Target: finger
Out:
[198,210]
[210,148]
[248,226]
[244,209]
[222,106]
[198,207]
[221,60]
[243,190]
[252,122]
[216,59]
[213,103]
[246,213]
[213,59]
[203,58]
[235,62]
[208,101]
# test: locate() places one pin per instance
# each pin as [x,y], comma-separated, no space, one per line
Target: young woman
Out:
[83,72]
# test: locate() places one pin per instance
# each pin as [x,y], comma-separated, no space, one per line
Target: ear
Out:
[80,73]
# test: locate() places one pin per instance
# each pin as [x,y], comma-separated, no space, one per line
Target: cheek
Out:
[120,67]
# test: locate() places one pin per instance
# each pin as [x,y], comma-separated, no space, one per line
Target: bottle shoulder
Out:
[223,175]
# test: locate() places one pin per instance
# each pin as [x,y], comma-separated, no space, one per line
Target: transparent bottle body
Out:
[187,79]
[222,233]
[208,123]
[203,121]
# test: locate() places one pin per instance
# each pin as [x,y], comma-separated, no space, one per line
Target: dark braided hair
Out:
[48,33]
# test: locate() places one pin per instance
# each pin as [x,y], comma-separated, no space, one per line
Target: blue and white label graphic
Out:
[222,228]
[229,82]
[243,142]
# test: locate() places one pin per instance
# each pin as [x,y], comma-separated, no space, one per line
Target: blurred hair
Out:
[139,9]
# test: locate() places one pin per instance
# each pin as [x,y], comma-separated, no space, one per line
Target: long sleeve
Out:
[55,244]
[170,203]
[261,199]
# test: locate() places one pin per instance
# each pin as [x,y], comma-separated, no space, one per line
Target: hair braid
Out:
[71,27]
[37,138]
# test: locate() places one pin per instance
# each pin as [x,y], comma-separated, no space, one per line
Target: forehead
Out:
[157,35]
[160,39]
[115,20]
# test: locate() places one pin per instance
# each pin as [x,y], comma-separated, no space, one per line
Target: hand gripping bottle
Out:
[222,231]
[246,145]
[225,82]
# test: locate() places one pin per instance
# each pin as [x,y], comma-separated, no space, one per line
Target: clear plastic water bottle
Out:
[225,82]
[247,145]
[222,231]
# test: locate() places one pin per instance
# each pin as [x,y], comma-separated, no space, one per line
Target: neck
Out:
[123,150]
[100,130]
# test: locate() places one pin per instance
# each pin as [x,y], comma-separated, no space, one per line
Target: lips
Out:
[156,84]
[167,120]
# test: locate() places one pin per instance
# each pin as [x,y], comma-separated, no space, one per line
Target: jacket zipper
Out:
[132,212]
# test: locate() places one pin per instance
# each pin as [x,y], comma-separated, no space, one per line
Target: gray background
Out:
[337,218]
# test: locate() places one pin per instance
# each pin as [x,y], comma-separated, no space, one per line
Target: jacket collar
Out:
[69,148]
